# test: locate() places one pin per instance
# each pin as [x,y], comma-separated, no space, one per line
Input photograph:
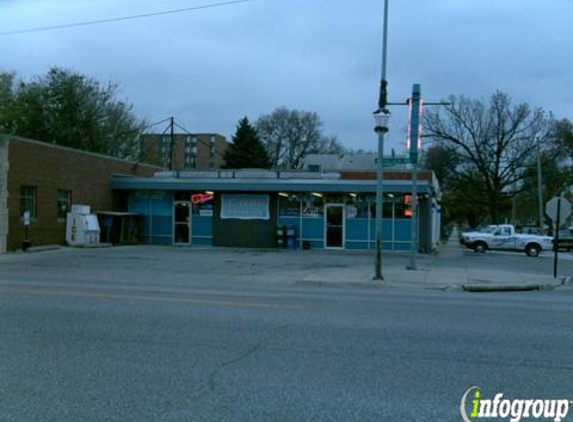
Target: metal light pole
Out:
[415,121]
[381,120]
[539,188]
[381,117]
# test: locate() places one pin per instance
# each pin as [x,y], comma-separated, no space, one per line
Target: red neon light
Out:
[201,198]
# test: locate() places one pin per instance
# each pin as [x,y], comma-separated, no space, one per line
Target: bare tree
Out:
[494,144]
[290,135]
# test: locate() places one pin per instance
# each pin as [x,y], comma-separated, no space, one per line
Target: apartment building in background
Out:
[183,151]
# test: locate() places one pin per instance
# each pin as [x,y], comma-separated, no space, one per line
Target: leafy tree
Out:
[563,138]
[246,151]
[70,109]
[290,135]
[6,101]
[494,143]
[458,204]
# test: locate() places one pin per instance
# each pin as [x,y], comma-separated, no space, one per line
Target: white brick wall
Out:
[3,194]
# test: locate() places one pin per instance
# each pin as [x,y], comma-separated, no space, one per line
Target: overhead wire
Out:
[198,140]
[122,18]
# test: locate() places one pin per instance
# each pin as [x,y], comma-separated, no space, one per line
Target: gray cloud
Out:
[211,67]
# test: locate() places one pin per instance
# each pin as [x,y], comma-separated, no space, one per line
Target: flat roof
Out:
[266,185]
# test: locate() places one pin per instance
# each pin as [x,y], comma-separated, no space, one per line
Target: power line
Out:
[123,18]
[155,124]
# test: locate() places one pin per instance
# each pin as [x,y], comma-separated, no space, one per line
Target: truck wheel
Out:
[480,247]
[532,250]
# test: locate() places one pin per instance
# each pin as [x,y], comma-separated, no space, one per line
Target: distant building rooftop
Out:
[352,162]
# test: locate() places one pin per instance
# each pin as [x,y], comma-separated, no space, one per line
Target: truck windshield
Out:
[489,229]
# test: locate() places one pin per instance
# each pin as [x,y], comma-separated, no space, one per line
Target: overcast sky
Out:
[210,67]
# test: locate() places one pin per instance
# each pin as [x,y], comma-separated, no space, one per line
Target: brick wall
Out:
[49,168]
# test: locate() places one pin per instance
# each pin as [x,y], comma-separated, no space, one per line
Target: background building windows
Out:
[64,203]
[289,205]
[28,200]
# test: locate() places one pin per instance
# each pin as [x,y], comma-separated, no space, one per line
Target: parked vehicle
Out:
[504,237]
[487,229]
[565,240]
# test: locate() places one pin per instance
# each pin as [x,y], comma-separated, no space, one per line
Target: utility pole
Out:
[171,142]
[414,139]
[539,187]
[414,136]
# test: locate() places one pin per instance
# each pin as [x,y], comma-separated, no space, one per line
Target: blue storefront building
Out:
[252,208]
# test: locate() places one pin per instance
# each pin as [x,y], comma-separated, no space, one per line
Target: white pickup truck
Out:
[503,237]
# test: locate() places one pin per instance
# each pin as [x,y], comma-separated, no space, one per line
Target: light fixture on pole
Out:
[381,118]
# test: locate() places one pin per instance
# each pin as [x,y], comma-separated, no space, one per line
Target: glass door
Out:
[181,223]
[334,226]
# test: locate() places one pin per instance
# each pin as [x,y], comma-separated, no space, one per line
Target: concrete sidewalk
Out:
[449,268]
[429,275]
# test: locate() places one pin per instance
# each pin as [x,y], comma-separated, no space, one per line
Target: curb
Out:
[43,248]
[347,284]
[481,288]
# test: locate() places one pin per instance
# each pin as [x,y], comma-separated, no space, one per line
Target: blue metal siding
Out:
[356,233]
[156,210]
[313,232]
[201,230]
[403,228]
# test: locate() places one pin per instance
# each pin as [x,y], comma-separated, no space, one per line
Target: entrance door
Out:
[182,223]
[334,226]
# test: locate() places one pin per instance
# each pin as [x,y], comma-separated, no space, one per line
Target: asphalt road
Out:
[103,351]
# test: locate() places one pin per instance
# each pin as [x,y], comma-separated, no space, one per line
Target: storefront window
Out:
[245,207]
[289,205]
[64,203]
[334,198]
[28,201]
[387,208]
[313,205]
[182,196]
[357,206]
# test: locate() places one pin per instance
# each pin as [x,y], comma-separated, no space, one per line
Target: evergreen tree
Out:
[246,151]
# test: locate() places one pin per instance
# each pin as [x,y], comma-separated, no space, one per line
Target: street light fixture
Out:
[381,117]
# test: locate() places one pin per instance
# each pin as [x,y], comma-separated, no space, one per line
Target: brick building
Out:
[46,179]
[184,151]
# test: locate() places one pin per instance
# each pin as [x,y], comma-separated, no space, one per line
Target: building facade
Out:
[45,180]
[249,208]
[183,151]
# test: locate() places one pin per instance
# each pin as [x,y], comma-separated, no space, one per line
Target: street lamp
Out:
[381,118]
